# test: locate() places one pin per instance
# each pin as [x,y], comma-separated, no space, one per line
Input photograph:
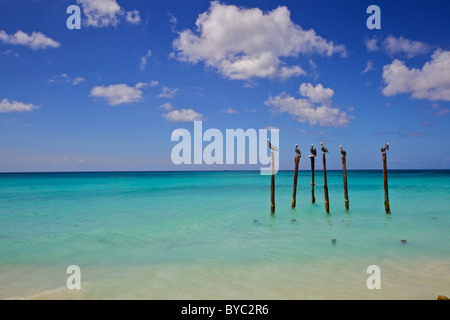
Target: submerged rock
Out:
[293,220]
[255,221]
[333,241]
[403,241]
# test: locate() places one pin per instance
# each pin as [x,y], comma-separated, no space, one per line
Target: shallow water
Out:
[210,235]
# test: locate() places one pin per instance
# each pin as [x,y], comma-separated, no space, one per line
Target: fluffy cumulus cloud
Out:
[316,108]
[179,115]
[103,13]
[316,93]
[432,82]
[117,94]
[245,43]
[35,41]
[15,106]
[183,115]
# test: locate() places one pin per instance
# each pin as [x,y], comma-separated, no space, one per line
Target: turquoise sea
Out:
[210,235]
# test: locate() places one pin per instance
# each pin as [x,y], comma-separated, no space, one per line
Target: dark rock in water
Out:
[442,298]
[256,221]
[434,218]
[294,220]
[403,241]
[333,241]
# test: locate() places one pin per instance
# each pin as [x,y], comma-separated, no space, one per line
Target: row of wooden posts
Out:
[344,170]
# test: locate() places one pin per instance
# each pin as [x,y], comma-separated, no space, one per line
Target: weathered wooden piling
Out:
[313,199]
[294,193]
[386,192]
[272,184]
[344,171]
[313,160]
[325,186]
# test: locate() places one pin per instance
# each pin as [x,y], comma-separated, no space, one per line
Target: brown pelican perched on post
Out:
[386,147]
[325,150]
[297,150]
[342,151]
[313,151]
[271,146]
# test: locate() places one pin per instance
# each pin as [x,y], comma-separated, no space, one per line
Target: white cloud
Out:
[401,46]
[101,13]
[317,94]
[172,22]
[432,82]
[64,78]
[145,58]
[118,93]
[183,115]
[15,106]
[104,13]
[179,115]
[398,46]
[168,92]
[315,109]
[167,106]
[133,17]
[78,80]
[35,41]
[249,43]
[229,110]
[370,67]
[372,44]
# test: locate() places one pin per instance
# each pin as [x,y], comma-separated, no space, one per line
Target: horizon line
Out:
[174,171]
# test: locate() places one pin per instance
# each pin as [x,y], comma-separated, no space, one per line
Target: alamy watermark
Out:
[74,280]
[374,280]
[239,146]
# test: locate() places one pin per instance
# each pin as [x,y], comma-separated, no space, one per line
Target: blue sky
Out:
[108,96]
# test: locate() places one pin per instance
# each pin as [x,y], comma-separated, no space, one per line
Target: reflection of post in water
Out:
[313,160]
[297,162]
[325,186]
[272,180]
[344,170]
[386,192]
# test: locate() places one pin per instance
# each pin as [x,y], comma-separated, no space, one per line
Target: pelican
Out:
[271,146]
[386,147]
[297,150]
[313,151]
[342,151]
[325,150]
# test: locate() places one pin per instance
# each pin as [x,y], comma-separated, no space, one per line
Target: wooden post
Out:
[294,193]
[313,199]
[386,192]
[272,184]
[344,170]
[325,186]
